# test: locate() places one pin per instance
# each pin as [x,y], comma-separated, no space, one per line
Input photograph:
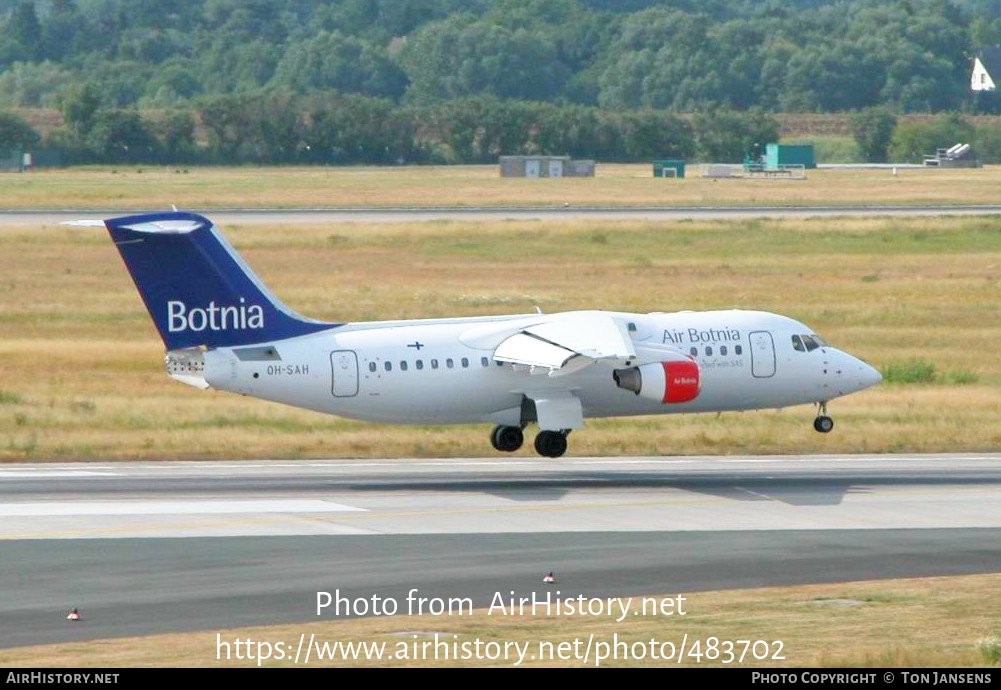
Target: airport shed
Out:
[669,167]
[778,156]
[545,166]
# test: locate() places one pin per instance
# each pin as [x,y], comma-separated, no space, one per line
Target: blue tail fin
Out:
[197,288]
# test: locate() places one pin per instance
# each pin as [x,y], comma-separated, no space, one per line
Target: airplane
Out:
[223,329]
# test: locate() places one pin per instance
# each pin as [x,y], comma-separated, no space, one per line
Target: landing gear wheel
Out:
[507,439]
[551,444]
[823,424]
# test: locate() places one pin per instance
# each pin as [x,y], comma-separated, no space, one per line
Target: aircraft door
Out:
[344,368]
[762,354]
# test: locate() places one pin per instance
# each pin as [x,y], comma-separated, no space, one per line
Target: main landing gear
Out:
[823,423]
[507,439]
[550,444]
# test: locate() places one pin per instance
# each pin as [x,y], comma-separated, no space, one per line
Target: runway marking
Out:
[171,508]
[864,493]
[47,474]
[94,532]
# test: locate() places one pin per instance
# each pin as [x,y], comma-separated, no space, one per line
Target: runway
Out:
[151,547]
[242,216]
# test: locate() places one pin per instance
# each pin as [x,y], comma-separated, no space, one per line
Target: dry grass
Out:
[82,370]
[615,185]
[931,622]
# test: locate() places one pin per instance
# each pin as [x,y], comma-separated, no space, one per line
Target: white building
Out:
[986,69]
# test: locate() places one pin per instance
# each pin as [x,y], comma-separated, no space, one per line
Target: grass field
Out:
[615,185]
[931,622]
[81,372]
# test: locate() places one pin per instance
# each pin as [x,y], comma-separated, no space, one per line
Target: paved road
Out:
[150,547]
[229,216]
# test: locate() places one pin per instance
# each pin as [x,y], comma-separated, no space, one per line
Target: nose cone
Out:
[860,375]
[869,376]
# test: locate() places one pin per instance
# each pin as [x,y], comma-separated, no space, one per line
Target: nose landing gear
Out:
[507,439]
[823,423]
[551,444]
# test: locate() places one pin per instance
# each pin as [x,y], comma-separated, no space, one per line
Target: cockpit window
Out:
[810,343]
[820,341]
[797,344]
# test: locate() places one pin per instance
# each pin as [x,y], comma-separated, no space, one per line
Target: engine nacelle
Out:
[666,382]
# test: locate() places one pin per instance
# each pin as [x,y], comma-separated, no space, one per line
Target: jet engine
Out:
[666,382]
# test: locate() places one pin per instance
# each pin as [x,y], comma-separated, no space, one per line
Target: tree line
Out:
[277,127]
[677,55]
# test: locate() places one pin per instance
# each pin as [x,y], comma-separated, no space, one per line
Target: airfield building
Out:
[986,69]
[545,166]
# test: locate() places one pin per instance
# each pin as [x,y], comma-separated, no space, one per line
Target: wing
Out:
[567,343]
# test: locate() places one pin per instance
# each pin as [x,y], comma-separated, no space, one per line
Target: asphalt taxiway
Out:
[245,216]
[151,547]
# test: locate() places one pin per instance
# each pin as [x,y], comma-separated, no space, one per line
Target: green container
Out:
[778,155]
[675,164]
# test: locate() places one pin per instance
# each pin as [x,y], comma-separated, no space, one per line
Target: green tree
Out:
[16,133]
[568,130]
[729,137]
[121,136]
[342,63]
[455,58]
[227,119]
[176,134]
[34,84]
[358,129]
[479,129]
[873,132]
[80,106]
[24,27]
[649,134]
[61,29]
[989,143]
[915,139]
[276,127]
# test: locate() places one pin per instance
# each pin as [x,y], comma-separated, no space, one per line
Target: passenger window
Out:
[389,366]
[484,361]
[722,350]
[631,327]
[694,351]
[797,344]
[403,365]
[465,363]
[449,363]
[709,352]
[434,363]
[810,343]
[419,364]
[738,349]
[371,366]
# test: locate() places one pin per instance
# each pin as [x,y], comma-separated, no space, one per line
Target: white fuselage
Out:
[442,371]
